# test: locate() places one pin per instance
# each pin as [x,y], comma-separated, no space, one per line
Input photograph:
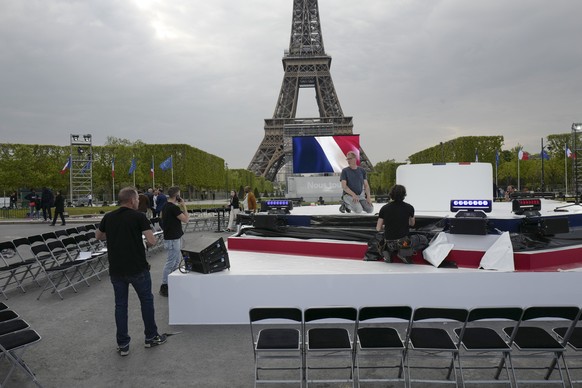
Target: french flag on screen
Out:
[320,154]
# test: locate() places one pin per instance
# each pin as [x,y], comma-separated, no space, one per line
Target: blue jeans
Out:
[142,284]
[174,255]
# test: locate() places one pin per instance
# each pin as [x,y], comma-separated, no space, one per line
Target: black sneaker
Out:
[164,290]
[123,350]
[342,208]
[157,340]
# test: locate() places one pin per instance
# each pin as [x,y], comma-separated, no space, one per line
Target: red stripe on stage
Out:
[550,260]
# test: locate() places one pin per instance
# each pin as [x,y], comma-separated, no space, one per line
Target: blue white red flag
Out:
[66,166]
[321,154]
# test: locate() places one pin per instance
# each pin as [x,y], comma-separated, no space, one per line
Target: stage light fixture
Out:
[87,138]
[277,206]
[471,205]
[577,126]
[74,138]
[528,207]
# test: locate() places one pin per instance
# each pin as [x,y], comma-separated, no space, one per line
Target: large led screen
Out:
[321,154]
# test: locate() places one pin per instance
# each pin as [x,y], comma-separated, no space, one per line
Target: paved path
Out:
[78,338]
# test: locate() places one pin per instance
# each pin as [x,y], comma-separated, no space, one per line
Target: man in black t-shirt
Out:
[397,217]
[123,229]
[173,214]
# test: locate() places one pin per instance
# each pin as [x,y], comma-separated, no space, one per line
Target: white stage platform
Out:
[282,280]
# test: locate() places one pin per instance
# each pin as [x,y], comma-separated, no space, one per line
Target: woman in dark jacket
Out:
[59,208]
[234,209]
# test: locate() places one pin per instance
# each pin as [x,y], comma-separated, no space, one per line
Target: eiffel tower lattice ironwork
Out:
[306,65]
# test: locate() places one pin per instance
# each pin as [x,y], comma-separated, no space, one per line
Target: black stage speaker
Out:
[554,225]
[269,221]
[468,225]
[208,258]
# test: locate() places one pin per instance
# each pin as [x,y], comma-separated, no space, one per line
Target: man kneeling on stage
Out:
[397,217]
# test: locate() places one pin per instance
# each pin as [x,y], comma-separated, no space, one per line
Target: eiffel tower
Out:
[306,66]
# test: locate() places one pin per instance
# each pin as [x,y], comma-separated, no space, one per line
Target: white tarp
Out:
[438,249]
[500,255]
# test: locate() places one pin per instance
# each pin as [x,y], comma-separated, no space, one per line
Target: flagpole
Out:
[113,180]
[518,180]
[496,166]
[172,159]
[153,173]
[566,170]
[71,177]
[132,160]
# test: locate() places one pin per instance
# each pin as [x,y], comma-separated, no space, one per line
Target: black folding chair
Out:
[12,347]
[379,340]
[574,345]
[12,326]
[61,233]
[58,267]
[23,250]
[277,347]
[534,342]
[480,339]
[326,342]
[36,239]
[7,315]
[431,344]
[13,269]
[49,236]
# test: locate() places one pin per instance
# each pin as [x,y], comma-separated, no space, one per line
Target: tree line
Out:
[558,168]
[198,173]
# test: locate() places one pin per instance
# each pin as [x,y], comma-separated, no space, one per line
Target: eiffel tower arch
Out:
[306,65]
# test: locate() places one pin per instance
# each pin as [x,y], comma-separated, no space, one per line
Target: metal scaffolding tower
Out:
[306,65]
[81,174]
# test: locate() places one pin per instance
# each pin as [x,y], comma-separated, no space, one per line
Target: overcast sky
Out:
[412,73]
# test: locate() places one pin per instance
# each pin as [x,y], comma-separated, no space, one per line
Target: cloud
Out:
[411,73]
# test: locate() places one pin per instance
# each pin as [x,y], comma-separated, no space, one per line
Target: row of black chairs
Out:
[422,345]
[61,259]
[16,336]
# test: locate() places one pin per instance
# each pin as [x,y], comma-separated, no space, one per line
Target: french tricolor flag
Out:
[66,166]
[321,154]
